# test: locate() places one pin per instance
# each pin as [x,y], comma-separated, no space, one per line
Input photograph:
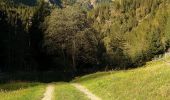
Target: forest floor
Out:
[149,82]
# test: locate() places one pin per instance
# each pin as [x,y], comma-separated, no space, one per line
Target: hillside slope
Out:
[76,37]
[151,82]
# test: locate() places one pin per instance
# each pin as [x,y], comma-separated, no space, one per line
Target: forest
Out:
[81,36]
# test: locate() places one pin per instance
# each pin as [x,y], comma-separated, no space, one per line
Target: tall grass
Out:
[21,91]
[150,82]
[65,91]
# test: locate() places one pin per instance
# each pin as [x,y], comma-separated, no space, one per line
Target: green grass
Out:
[22,91]
[65,91]
[150,82]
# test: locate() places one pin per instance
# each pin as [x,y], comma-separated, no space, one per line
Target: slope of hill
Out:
[114,35]
[151,82]
[76,36]
[21,91]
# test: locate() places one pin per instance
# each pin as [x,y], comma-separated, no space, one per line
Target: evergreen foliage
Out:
[72,35]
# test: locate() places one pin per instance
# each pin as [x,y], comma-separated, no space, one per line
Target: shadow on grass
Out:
[12,86]
[42,77]
[56,76]
[93,76]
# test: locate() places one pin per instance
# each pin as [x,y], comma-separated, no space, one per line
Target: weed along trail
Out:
[90,95]
[48,93]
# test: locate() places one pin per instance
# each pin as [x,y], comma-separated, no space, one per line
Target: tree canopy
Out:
[74,35]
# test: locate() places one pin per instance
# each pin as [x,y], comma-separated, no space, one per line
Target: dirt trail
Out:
[48,93]
[86,91]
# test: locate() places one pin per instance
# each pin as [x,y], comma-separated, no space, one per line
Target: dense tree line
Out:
[75,36]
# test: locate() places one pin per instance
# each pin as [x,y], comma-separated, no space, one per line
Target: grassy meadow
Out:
[21,91]
[65,91]
[150,82]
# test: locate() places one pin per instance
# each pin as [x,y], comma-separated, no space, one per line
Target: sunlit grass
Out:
[150,82]
[65,91]
[21,91]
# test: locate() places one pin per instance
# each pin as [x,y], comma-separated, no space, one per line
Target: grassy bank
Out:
[22,91]
[150,82]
